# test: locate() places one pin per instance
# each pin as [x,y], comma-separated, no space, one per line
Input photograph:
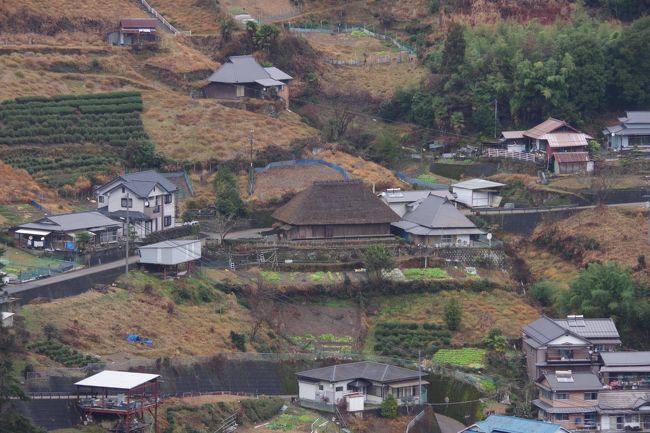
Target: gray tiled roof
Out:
[413,195]
[140,183]
[637,117]
[573,409]
[581,382]
[368,370]
[590,328]
[436,212]
[622,400]
[71,222]
[611,359]
[245,69]
[543,330]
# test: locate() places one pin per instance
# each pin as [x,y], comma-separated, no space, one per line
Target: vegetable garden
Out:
[105,118]
[66,355]
[406,339]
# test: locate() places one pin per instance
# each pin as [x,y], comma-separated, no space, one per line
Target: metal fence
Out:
[414,181]
[290,162]
[162,19]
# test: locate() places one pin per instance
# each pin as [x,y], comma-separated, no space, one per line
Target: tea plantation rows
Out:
[103,118]
[406,339]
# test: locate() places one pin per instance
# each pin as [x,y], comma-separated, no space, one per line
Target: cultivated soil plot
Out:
[348,46]
[319,321]
[258,7]
[279,181]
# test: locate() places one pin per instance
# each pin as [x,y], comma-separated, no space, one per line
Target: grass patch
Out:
[424,273]
[466,357]
[271,276]
[428,178]
[286,422]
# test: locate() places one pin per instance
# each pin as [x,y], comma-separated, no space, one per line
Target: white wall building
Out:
[151,200]
[477,193]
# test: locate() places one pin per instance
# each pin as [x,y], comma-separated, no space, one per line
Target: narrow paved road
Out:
[448,425]
[501,211]
[17,288]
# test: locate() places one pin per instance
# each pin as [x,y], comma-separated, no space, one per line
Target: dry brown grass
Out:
[194,15]
[110,10]
[344,46]
[545,265]
[99,323]
[279,181]
[179,58]
[380,81]
[369,171]
[257,7]
[481,312]
[18,186]
[201,129]
[621,233]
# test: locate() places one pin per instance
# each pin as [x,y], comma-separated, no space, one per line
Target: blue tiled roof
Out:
[512,424]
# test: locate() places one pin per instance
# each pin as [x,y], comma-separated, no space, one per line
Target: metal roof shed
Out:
[122,380]
[171,253]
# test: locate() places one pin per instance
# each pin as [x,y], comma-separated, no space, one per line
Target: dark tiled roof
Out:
[543,330]
[71,222]
[141,183]
[336,202]
[367,370]
[581,382]
[245,69]
[611,359]
[590,328]
[622,400]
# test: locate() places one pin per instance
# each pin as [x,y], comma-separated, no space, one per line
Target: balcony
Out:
[577,355]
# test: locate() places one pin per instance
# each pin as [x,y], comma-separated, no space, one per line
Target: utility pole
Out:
[496,109]
[250,139]
[126,252]
[419,379]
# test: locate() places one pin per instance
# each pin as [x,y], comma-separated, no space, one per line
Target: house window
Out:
[561,396]
[566,353]
[620,424]
[168,221]
[339,388]
[547,394]
[447,239]
[320,387]
[168,198]
[123,190]
[240,91]
[591,396]
[561,416]
[101,199]
[130,202]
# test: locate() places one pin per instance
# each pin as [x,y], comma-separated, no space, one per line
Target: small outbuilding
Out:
[125,395]
[243,77]
[334,209]
[573,163]
[477,193]
[136,32]
[175,255]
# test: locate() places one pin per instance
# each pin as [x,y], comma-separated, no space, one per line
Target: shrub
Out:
[238,340]
[389,407]
[452,313]
[543,292]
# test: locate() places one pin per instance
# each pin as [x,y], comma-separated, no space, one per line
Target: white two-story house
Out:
[149,197]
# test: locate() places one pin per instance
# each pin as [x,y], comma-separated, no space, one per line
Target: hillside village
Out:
[324,216]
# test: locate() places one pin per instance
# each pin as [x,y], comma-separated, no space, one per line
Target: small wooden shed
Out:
[572,163]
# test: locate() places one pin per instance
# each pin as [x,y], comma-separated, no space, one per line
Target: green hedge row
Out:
[406,339]
[63,354]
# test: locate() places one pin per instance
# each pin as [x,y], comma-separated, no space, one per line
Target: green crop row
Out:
[106,95]
[69,103]
[63,354]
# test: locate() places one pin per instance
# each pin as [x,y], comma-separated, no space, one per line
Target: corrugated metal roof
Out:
[573,409]
[174,243]
[138,23]
[512,424]
[568,157]
[566,139]
[512,135]
[579,382]
[611,359]
[117,380]
[368,370]
[477,184]
[546,127]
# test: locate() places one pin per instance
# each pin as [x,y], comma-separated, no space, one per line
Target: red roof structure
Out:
[138,23]
[568,157]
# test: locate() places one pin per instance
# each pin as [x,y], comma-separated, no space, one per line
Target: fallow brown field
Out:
[279,181]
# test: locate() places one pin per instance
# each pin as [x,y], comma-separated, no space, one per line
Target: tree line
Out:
[573,70]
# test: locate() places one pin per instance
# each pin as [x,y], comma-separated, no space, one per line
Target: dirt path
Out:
[448,425]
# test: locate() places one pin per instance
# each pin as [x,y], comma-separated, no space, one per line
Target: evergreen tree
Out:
[453,54]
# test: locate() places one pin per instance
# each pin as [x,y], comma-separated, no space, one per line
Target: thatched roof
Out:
[336,202]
